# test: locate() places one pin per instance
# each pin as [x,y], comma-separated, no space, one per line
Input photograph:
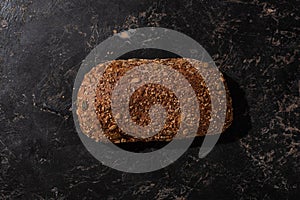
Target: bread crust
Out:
[94,100]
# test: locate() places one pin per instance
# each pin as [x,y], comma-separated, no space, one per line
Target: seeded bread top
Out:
[94,100]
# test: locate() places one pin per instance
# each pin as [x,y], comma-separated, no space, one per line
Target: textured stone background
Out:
[256,43]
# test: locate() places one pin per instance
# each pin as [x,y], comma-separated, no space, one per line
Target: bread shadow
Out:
[241,124]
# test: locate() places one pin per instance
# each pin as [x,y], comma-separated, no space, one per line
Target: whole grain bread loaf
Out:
[94,100]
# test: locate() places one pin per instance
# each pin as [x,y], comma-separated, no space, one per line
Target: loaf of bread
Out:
[94,101]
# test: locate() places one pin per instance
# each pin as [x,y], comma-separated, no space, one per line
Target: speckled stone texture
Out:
[255,43]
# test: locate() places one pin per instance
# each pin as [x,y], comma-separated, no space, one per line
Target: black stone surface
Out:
[255,43]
